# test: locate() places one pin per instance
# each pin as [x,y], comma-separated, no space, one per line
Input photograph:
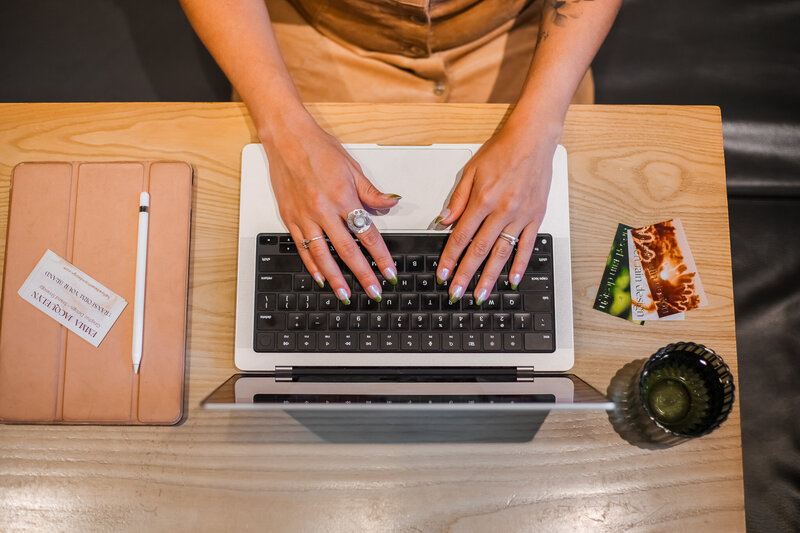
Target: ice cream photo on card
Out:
[669,267]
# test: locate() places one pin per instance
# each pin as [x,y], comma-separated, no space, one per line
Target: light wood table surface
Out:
[267,472]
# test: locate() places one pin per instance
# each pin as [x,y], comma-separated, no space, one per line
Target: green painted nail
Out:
[437,220]
[395,197]
[514,287]
[393,280]
[377,298]
[454,299]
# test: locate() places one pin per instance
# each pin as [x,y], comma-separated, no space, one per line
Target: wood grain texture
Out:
[628,164]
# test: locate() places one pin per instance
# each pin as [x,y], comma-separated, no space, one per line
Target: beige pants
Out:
[326,68]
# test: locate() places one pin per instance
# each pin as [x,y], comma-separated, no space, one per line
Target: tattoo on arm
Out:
[564,9]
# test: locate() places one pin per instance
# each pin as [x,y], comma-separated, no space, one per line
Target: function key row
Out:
[405,342]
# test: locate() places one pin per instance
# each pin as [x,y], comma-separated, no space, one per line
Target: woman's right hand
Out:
[317,183]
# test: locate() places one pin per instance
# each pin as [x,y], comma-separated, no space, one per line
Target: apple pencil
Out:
[141,274]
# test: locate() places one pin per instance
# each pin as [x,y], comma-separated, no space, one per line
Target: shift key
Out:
[274,282]
[280,263]
[539,342]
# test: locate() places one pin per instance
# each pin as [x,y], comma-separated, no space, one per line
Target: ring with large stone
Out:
[510,239]
[358,221]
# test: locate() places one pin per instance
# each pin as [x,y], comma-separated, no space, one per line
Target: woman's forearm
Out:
[239,35]
[570,34]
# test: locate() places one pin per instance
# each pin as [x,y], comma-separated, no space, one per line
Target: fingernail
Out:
[342,295]
[374,292]
[455,293]
[515,281]
[319,280]
[395,197]
[442,275]
[443,215]
[481,296]
[390,274]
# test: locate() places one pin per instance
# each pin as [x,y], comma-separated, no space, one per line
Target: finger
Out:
[524,249]
[458,200]
[351,254]
[476,253]
[370,195]
[501,252]
[373,242]
[305,255]
[321,255]
[458,241]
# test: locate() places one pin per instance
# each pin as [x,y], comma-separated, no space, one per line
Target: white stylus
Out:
[141,274]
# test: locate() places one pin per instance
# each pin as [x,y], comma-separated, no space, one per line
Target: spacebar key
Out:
[539,342]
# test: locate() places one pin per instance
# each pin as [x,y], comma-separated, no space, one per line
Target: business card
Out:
[643,307]
[614,294]
[72,298]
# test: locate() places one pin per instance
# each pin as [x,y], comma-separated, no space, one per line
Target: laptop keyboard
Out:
[293,314]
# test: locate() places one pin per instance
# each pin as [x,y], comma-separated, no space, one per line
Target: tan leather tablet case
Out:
[88,214]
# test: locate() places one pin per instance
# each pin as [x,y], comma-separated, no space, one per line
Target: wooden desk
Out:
[268,472]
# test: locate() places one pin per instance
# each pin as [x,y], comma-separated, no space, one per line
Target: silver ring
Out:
[306,242]
[510,239]
[358,221]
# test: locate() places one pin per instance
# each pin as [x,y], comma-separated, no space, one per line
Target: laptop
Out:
[299,348]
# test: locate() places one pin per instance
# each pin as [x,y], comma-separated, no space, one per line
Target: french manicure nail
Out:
[515,281]
[374,292]
[443,215]
[319,280]
[390,275]
[395,197]
[442,276]
[455,294]
[481,296]
[342,295]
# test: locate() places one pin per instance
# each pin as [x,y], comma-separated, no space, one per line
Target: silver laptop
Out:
[288,377]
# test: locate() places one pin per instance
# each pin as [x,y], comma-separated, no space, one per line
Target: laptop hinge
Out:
[524,373]
[283,373]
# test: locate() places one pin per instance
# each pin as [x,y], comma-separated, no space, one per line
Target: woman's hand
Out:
[317,183]
[503,189]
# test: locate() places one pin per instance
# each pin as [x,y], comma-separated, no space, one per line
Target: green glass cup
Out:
[683,391]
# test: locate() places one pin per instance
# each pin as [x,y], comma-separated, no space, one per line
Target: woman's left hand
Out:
[503,189]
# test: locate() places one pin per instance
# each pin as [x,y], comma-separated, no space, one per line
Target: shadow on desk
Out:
[384,427]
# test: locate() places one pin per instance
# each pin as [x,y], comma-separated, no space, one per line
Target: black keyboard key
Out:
[443,286]
[288,248]
[512,342]
[409,342]
[280,263]
[285,239]
[503,283]
[348,342]
[425,282]
[337,321]
[373,264]
[536,282]
[430,342]
[539,263]
[430,302]
[420,321]
[390,302]
[286,342]
[328,302]
[399,262]
[481,321]
[296,321]
[267,240]
[538,302]
[317,321]
[512,301]
[469,303]
[303,282]
[460,321]
[271,322]
[287,302]
[368,342]
[409,301]
[307,302]
[378,321]
[306,342]
[501,321]
[543,245]
[539,342]
[398,321]
[358,321]
[274,282]
[265,342]
[451,342]
[326,342]
[415,263]
[265,302]
[386,285]
[492,342]
[523,321]
[492,302]
[431,263]
[471,342]
[440,321]
[365,303]
[543,321]
[447,305]
[405,282]
[389,342]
